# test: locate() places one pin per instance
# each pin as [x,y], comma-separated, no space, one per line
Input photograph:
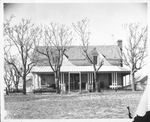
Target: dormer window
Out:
[95,60]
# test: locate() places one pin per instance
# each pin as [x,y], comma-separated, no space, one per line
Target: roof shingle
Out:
[108,51]
[74,55]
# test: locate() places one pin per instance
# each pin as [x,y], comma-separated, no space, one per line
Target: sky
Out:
[105,19]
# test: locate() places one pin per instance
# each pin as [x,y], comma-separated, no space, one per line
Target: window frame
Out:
[95,61]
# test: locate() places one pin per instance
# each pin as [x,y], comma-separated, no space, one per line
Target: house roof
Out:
[74,55]
[75,52]
[108,51]
[47,69]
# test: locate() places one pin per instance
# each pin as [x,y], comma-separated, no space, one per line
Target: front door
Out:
[74,82]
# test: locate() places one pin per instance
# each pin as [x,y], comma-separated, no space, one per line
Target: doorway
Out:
[74,82]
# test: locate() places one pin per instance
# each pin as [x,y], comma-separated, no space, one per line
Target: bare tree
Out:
[8,73]
[16,79]
[16,76]
[136,49]
[81,29]
[11,76]
[22,36]
[57,40]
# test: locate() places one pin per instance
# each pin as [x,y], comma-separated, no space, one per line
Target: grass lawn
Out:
[107,104]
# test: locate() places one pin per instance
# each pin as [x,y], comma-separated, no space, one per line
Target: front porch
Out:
[78,81]
[78,78]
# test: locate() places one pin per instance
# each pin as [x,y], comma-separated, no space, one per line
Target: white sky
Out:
[106,19]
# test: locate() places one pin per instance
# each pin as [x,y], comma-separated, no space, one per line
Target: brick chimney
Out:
[119,42]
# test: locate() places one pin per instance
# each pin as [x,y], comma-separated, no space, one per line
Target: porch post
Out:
[89,78]
[92,80]
[60,81]
[116,79]
[36,81]
[39,81]
[80,81]
[64,85]
[87,88]
[129,80]
[63,78]
[33,81]
[112,79]
[68,82]
[125,80]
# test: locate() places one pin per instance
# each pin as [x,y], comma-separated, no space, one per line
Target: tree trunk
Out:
[99,86]
[16,87]
[16,84]
[95,81]
[132,81]
[8,89]
[24,84]
[57,82]
[7,93]
[57,89]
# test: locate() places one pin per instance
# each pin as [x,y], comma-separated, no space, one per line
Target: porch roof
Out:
[47,69]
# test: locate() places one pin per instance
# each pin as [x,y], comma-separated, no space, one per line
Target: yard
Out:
[107,104]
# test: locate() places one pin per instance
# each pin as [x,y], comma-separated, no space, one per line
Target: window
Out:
[95,60]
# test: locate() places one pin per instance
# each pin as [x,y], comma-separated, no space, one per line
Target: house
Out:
[77,72]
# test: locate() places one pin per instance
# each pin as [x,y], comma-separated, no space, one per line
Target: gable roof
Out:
[74,55]
[108,51]
[75,52]
[66,62]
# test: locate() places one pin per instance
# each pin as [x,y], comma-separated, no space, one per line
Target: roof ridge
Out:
[81,46]
[93,45]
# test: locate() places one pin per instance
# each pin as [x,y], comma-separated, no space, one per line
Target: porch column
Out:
[60,79]
[87,86]
[63,82]
[33,81]
[92,80]
[124,81]
[80,81]
[89,78]
[116,79]
[63,78]
[112,79]
[68,82]
[36,81]
[40,81]
[129,80]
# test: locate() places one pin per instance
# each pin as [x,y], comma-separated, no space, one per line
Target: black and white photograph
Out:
[75,60]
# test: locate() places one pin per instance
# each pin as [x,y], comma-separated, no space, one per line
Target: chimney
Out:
[120,44]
